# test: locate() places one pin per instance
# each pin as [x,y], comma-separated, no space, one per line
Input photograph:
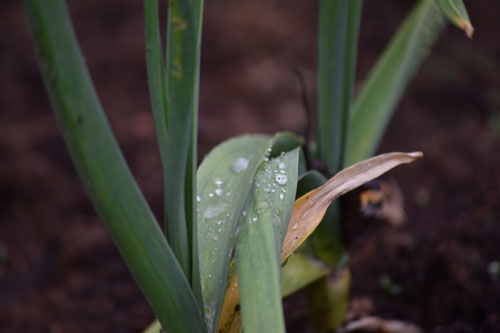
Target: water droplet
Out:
[244,213]
[211,195]
[295,226]
[281,196]
[281,179]
[282,165]
[209,275]
[255,219]
[198,198]
[240,164]
[219,192]
[219,222]
[218,181]
[214,210]
[216,238]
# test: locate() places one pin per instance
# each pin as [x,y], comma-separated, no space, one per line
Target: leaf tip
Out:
[416,154]
[467,27]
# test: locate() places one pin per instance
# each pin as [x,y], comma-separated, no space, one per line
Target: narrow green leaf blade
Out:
[182,84]
[331,61]
[156,74]
[390,77]
[338,39]
[456,12]
[258,249]
[104,171]
[225,179]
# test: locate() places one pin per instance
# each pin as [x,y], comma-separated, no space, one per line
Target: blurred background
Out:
[59,271]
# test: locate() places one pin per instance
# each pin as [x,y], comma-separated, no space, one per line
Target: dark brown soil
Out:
[59,271]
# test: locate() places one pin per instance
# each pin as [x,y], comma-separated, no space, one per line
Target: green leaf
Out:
[390,77]
[300,270]
[337,42]
[456,12]
[182,84]
[225,180]
[156,73]
[104,171]
[258,249]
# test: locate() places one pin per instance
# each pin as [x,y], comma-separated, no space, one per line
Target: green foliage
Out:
[337,48]
[456,12]
[389,78]
[104,171]
[227,222]
[258,252]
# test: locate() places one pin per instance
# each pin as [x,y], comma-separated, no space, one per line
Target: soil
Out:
[59,271]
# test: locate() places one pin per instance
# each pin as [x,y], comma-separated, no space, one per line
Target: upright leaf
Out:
[104,171]
[337,43]
[156,73]
[456,12]
[259,244]
[390,77]
[182,84]
[225,179]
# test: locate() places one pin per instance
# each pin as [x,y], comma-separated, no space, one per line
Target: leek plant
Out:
[223,259]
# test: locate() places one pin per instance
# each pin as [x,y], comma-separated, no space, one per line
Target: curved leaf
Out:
[389,78]
[311,207]
[307,212]
[104,171]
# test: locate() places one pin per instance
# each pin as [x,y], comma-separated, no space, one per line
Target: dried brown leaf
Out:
[309,209]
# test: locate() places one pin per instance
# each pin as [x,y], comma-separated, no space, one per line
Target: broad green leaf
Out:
[300,271]
[284,142]
[104,171]
[182,71]
[456,12]
[337,46]
[225,180]
[259,243]
[390,77]
[310,208]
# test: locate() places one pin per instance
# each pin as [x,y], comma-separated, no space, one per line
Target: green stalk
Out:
[104,172]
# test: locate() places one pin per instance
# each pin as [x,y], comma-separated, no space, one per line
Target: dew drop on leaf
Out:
[240,164]
[214,210]
[281,179]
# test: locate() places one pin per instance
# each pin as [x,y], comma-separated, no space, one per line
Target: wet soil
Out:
[59,271]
